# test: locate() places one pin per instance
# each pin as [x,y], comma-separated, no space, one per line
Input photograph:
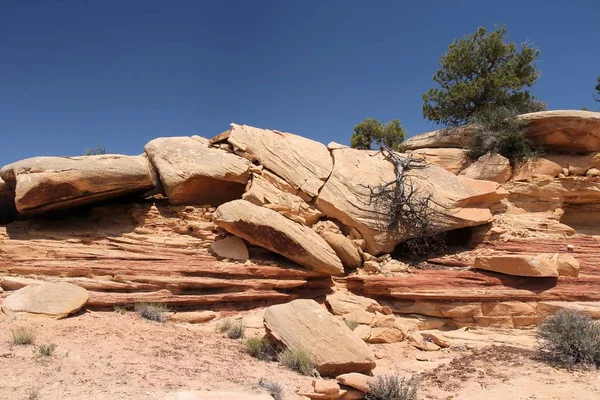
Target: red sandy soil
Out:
[106,355]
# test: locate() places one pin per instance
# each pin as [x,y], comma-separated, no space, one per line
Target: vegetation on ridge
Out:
[373,132]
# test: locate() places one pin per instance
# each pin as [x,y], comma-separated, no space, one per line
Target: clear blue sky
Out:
[75,72]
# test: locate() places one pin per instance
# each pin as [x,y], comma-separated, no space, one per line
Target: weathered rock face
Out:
[346,197]
[452,160]
[51,300]
[459,137]
[519,265]
[565,130]
[191,172]
[305,325]
[52,183]
[263,193]
[271,230]
[489,167]
[303,163]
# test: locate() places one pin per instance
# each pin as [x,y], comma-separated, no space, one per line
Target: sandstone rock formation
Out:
[489,167]
[191,172]
[347,197]
[263,193]
[565,130]
[51,300]
[303,163]
[458,137]
[344,248]
[271,230]
[304,325]
[518,265]
[231,247]
[53,183]
[452,160]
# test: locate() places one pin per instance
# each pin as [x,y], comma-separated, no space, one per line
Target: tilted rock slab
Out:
[304,163]
[565,130]
[458,202]
[263,193]
[52,300]
[458,137]
[271,230]
[332,346]
[52,183]
[191,172]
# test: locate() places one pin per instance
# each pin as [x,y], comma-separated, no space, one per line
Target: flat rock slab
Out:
[209,395]
[271,230]
[459,137]
[333,347]
[519,265]
[51,300]
[565,130]
[191,172]
[45,184]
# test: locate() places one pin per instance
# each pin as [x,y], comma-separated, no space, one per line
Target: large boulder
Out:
[452,160]
[520,265]
[456,202]
[263,193]
[565,130]
[332,346]
[271,230]
[458,137]
[489,167]
[51,300]
[45,184]
[305,164]
[191,172]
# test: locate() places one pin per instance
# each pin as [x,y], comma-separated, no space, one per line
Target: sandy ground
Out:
[106,355]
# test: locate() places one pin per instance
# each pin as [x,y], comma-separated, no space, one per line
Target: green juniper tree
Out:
[480,71]
[597,95]
[371,131]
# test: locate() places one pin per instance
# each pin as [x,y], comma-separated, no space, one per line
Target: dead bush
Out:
[152,311]
[393,387]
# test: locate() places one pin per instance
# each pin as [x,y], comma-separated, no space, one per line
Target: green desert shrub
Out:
[46,350]
[23,336]
[571,337]
[297,360]
[152,311]
[260,347]
[232,329]
[392,387]
[352,324]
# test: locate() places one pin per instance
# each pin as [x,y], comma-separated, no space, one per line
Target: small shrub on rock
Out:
[23,336]
[352,324]
[260,347]
[152,311]
[571,337]
[297,360]
[392,387]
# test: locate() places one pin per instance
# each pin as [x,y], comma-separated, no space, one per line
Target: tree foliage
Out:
[99,150]
[481,71]
[597,96]
[498,130]
[371,131]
